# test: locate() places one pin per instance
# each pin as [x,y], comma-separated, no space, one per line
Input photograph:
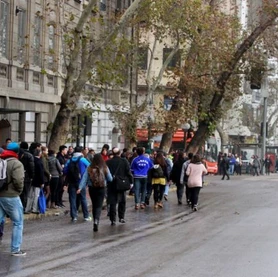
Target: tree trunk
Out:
[223,136]
[166,142]
[199,138]
[60,130]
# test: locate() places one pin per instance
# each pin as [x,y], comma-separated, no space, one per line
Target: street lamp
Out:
[185,127]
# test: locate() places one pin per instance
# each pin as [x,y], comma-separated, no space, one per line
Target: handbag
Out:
[121,183]
[42,202]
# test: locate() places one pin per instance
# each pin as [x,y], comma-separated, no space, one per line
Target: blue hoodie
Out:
[140,166]
[83,164]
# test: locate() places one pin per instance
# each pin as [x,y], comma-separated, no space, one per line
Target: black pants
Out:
[180,191]
[225,173]
[187,192]
[24,194]
[54,182]
[60,190]
[267,170]
[117,199]
[97,196]
[158,192]
[194,195]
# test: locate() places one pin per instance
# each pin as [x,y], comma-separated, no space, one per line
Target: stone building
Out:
[31,70]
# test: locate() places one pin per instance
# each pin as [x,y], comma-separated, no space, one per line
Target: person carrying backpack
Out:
[10,203]
[74,170]
[159,176]
[95,177]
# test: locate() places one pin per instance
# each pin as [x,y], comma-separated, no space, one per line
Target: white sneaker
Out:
[88,218]
[18,253]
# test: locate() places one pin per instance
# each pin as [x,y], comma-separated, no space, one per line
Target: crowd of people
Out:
[33,168]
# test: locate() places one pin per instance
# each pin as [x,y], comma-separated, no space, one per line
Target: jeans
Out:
[2,223]
[12,207]
[231,169]
[140,188]
[75,200]
[97,196]
[166,191]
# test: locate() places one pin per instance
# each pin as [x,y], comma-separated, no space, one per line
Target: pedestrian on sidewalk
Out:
[184,177]
[95,177]
[139,168]
[175,175]
[119,167]
[37,184]
[159,177]
[74,170]
[195,172]
[10,203]
[225,166]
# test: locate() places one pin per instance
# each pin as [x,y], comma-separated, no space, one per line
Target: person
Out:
[139,168]
[169,164]
[46,173]
[184,177]
[62,158]
[256,166]
[175,175]
[238,164]
[27,159]
[10,203]
[56,171]
[195,172]
[79,163]
[96,169]
[225,166]
[37,184]
[103,153]
[232,162]
[267,164]
[69,152]
[159,177]
[119,167]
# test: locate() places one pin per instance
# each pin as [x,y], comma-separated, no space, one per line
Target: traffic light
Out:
[256,78]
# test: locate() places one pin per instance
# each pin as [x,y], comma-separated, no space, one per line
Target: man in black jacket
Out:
[27,159]
[118,167]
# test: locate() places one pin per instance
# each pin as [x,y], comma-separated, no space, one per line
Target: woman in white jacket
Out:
[195,172]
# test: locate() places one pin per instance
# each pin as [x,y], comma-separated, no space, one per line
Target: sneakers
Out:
[121,220]
[73,220]
[165,197]
[113,223]
[18,253]
[179,202]
[137,207]
[88,218]
[194,209]
[95,227]
[156,206]
[142,206]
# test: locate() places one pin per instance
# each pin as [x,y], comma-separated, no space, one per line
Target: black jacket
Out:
[176,171]
[27,159]
[39,173]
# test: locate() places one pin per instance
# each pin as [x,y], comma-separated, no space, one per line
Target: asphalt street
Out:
[234,234]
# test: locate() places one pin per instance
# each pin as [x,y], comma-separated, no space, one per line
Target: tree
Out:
[83,49]
[219,62]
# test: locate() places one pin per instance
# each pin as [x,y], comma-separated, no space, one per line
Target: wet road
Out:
[235,233]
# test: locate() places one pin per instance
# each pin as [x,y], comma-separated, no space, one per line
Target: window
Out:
[21,36]
[37,41]
[4,11]
[103,5]
[51,46]
[176,60]
[143,58]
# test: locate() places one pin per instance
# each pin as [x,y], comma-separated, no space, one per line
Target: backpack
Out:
[97,176]
[74,174]
[157,171]
[3,173]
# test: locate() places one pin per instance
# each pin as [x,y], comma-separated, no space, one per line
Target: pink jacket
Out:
[195,173]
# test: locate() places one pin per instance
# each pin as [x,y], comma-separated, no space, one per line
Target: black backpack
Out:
[74,175]
[157,171]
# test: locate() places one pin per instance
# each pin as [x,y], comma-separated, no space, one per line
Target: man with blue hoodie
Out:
[140,167]
[74,170]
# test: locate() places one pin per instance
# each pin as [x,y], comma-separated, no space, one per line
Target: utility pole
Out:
[264,95]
